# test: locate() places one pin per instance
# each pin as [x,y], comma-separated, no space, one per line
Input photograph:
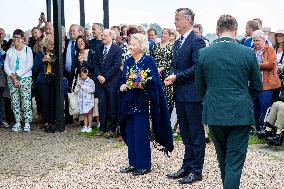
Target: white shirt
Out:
[25,57]
[107,47]
[279,55]
[185,36]
[69,56]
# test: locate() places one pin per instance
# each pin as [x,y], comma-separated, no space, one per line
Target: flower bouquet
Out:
[137,78]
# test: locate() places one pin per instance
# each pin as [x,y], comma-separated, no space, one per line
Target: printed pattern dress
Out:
[163,58]
[85,95]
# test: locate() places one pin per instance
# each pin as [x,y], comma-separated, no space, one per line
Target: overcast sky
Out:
[24,13]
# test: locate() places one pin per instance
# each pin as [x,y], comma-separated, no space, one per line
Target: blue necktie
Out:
[179,42]
[73,50]
[104,52]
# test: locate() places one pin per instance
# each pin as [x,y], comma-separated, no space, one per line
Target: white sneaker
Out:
[84,129]
[27,127]
[17,127]
[89,130]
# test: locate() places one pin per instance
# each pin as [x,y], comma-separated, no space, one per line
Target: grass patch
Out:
[177,138]
[254,140]
[92,134]
[119,145]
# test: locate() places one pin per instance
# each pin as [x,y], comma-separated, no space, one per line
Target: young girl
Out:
[85,89]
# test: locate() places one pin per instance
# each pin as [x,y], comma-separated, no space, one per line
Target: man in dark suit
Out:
[107,84]
[69,55]
[96,43]
[228,77]
[188,103]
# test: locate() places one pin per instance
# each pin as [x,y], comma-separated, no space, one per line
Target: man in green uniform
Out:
[228,77]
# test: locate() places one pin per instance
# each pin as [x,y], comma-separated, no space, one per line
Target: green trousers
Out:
[231,144]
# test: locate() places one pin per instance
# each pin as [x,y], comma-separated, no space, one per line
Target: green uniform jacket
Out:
[228,77]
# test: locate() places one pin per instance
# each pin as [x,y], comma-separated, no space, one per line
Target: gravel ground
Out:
[68,160]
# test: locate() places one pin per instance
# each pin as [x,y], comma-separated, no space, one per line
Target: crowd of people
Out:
[125,75]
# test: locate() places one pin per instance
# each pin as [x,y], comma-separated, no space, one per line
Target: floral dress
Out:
[85,95]
[163,58]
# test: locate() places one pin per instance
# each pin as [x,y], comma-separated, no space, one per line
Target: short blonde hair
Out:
[142,40]
[258,34]
[48,39]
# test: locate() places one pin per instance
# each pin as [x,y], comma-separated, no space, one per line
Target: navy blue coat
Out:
[109,68]
[97,46]
[153,93]
[183,66]
[39,68]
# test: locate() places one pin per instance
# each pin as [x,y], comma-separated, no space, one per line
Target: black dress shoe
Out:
[50,129]
[129,169]
[264,134]
[138,172]
[181,173]
[277,140]
[189,179]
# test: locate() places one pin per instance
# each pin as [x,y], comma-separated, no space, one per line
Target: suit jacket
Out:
[183,66]
[64,55]
[97,46]
[109,67]
[228,77]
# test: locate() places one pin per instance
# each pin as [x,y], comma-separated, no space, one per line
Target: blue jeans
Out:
[261,103]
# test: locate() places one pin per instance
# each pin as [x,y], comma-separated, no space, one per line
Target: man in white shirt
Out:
[69,55]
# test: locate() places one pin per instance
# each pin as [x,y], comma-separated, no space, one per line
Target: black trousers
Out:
[108,109]
[47,99]
[231,144]
[193,136]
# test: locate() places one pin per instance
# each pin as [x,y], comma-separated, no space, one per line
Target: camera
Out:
[42,13]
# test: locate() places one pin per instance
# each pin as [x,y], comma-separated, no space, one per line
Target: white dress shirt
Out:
[185,36]
[69,56]
[107,47]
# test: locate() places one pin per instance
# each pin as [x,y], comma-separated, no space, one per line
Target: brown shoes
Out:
[109,134]
[119,139]
[100,134]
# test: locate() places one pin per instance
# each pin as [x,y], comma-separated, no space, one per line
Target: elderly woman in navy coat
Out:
[141,89]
